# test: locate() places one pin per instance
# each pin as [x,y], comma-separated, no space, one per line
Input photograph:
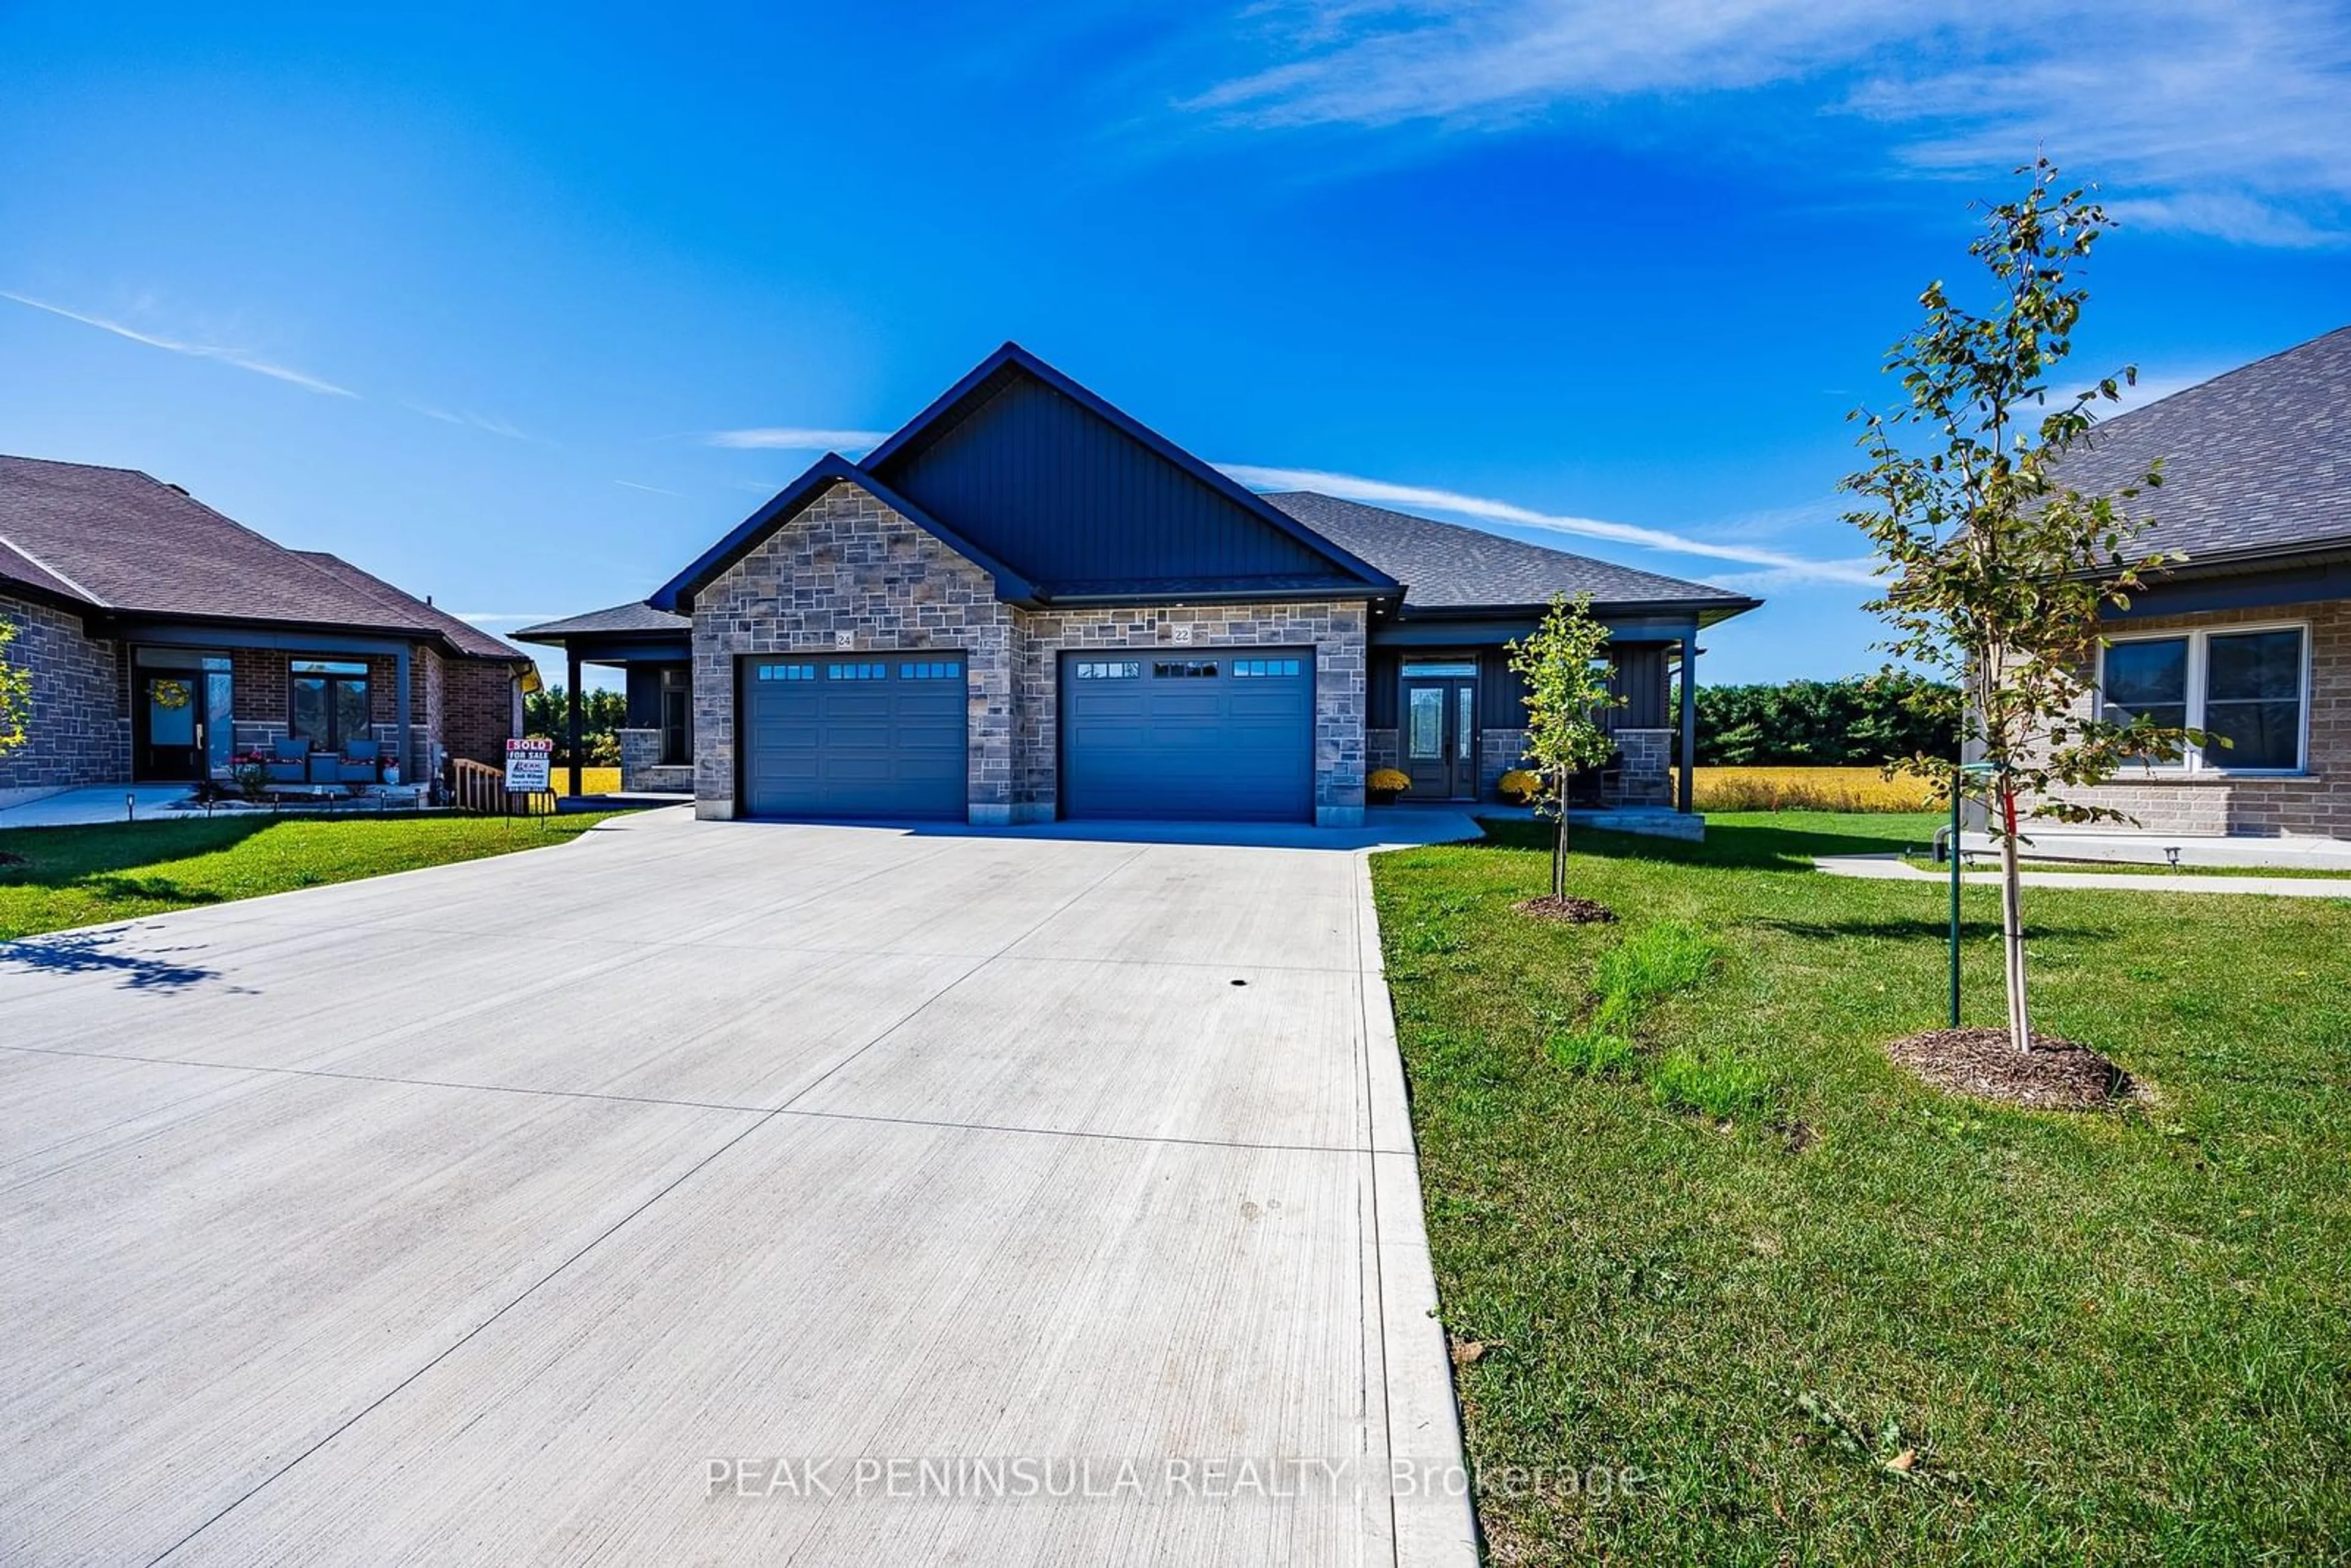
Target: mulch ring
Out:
[1566,911]
[2054,1075]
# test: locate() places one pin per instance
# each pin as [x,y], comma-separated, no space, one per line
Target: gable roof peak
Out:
[975,386]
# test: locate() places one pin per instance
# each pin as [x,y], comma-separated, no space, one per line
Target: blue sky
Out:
[523,314]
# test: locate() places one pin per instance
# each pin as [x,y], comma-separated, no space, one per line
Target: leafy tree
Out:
[603,713]
[1563,662]
[16,695]
[1998,570]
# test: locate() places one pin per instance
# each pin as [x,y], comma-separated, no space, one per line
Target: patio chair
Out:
[288,760]
[362,762]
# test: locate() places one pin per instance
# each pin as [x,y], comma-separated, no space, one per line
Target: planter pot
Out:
[1380,796]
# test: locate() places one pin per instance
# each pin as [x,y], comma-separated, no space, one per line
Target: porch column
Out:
[571,693]
[400,687]
[1686,785]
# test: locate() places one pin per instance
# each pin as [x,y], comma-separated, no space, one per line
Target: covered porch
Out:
[654,651]
[1444,707]
[319,709]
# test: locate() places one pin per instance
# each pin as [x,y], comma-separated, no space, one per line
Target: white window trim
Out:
[2193,764]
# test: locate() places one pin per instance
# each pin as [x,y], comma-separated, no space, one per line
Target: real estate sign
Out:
[529,762]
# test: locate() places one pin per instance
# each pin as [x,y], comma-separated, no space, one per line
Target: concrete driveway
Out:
[644,1200]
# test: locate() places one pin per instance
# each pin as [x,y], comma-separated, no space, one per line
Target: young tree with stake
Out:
[1999,570]
[1563,664]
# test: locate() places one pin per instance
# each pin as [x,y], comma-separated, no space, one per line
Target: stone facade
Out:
[1648,779]
[643,771]
[1648,774]
[2316,804]
[1498,752]
[849,574]
[79,731]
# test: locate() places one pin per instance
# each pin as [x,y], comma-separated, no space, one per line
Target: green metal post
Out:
[1955,902]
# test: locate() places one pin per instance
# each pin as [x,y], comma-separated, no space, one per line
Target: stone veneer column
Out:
[1648,776]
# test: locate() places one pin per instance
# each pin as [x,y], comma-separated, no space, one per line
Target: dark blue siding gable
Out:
[1052,489]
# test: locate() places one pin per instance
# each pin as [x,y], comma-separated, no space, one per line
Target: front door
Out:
[172,739]
[184,726]
[1440,737]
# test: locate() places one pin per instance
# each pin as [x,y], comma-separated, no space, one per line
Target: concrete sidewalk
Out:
[96,803]
[537,1207]
[1892,868]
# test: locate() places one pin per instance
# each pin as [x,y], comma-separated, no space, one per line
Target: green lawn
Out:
[81,876]
[2113,1338]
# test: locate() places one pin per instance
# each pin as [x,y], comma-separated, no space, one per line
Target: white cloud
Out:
[2229,118]
[797,438]
[1381,492]
[225,355]
[471,420]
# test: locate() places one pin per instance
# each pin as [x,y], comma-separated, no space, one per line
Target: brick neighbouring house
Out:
[164,638]
[2249,637]
[1027,605]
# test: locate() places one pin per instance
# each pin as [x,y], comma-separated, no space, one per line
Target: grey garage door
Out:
[862,735]
[1214,733]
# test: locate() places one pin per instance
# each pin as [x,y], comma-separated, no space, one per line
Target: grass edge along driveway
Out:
[1828,1314]
[88,875]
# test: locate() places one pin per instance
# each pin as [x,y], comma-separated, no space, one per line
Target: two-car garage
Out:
[1200,733]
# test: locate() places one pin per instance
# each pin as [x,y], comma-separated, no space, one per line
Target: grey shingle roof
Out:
[2257,459]
[115,538]
[1447,566]
[463,636]
[637,617]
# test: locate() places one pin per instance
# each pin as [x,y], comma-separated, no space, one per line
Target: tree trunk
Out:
[1559,845]
[2012,925]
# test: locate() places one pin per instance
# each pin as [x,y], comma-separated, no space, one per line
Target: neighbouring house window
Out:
[1262,667]
[329,707]
[1110,669]
[2250,687]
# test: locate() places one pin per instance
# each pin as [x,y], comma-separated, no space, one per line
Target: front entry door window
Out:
[183,724]
[1441,730]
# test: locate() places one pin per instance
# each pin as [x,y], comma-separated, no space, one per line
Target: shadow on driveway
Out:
[93,952]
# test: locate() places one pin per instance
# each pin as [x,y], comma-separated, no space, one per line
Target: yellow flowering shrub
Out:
[1388,779]
[1521,785]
